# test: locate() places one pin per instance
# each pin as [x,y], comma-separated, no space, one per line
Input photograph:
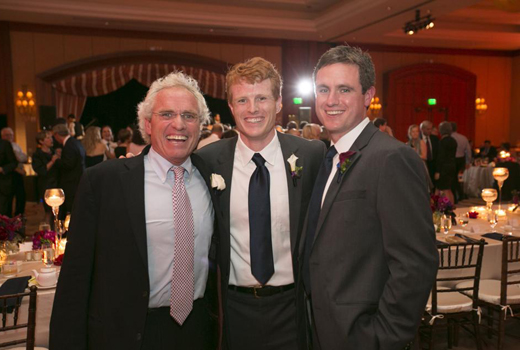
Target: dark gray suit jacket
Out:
[220,157]
[102,295]
[374,260]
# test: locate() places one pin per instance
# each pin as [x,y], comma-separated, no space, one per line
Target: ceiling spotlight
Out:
[412,27]
[305,87]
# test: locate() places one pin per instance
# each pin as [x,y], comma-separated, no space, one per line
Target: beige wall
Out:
[34,53]
[494,80]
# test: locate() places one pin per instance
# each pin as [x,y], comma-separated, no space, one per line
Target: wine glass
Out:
[446,223]
[501,175]
[463,221]
[492,218]
[54,197]
[489,195]
[48,254]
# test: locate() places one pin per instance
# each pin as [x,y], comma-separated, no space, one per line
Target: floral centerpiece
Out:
[441,205]
[43,237]
[10,237]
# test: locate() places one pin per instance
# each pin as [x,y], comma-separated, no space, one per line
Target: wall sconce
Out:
[375,106]
[25,101]
[480,104]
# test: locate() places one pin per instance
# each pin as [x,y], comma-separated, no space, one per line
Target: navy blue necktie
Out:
[314,212]
[261,247]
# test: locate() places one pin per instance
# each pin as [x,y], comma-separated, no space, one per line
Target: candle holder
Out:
[54,197]
[489,195]
[501,175]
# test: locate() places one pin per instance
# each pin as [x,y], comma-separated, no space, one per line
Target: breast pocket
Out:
[349,204]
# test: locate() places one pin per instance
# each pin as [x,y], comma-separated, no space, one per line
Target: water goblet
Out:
[501,175]
[446,223]
[54,197]
[463,221]
[489,195]
[492,218]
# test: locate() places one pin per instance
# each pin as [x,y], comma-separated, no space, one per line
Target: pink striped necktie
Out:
[182,289]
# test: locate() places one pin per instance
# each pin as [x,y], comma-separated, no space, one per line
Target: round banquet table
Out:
[492,259]
[44,302]
[477,178]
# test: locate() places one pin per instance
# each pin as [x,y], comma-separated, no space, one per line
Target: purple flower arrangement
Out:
[42,237]
[9,227]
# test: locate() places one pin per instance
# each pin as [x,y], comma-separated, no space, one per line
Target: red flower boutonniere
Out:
[344,163]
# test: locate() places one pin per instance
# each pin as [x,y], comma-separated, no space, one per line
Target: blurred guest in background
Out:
[432,147]
[216,134]
[229,134]
[124,136]
[325,137]
[303,123]
[415,141]
[294,132]
[71,165]
[488,151]
[435,131]
[446,169]
[311,131]
[292,125]
[8,163]
[44,164]
[108,139]
[75,127]
[96,150]
[463,159]
[382,125]
[18,174]
[137,144]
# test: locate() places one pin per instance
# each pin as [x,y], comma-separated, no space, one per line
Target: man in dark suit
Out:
[368,254]
[488,151]
[8,164]
[135,272]
[262,220]
[71,165]
[432,148]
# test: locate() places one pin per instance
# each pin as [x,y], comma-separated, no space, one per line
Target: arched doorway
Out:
[435,92]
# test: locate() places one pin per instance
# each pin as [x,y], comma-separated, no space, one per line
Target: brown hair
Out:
[254,70]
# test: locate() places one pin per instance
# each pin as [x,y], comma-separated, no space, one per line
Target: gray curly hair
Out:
[174,79]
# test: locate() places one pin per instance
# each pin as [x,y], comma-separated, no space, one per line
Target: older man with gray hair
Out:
[135,274]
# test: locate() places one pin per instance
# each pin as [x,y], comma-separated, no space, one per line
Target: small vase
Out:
[48,254]
[437,221]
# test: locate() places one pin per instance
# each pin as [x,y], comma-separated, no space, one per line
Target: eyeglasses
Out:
[185,116]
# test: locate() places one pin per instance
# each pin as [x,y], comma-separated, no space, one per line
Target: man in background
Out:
[71,165]
[8,163]
[216,134]
[7,134]
[432,148]
[463,160]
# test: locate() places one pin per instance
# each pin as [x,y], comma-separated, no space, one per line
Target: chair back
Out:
[510,264]
[12,303]
[464,262]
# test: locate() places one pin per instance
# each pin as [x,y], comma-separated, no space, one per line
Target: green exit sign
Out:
[297,100]
[432,101]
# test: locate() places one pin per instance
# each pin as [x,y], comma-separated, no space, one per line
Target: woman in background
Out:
[43,163]
[96,151]
[124,136]
[415,141]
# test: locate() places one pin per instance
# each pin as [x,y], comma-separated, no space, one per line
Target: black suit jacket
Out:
[71,166]
[373,260]
[102,295]
[8,163]
[220,156]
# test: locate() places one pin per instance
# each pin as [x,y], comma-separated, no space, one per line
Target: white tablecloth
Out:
[44,302]
[477,178]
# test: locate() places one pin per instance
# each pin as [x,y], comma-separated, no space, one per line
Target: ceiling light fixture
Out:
[418,23]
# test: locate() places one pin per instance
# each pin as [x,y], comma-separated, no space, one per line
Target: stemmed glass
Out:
[54,197]
[446,223]
[489,195]
[501,175]
[463,221]
[492,218]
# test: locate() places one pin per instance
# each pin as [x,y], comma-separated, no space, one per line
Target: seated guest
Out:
[124,137]
[138,262]
[96,150]
[488,151]
[44,164]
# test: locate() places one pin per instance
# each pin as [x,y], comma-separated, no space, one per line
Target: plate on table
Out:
[32,282]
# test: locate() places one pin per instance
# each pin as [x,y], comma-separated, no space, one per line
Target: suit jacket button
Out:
[138,337]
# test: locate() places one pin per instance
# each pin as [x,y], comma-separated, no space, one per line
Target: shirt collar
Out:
[161,166]
[346,141]
[269,152]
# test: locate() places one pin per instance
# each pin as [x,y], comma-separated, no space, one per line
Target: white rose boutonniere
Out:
[217,182]
[296,171]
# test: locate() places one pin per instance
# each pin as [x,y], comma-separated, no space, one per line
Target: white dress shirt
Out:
[160,232]
[243,168]
[463,147]
[343,145]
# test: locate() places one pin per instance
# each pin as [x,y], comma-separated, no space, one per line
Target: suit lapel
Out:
[225,169]
[295,192]
[132,181]
[360,143]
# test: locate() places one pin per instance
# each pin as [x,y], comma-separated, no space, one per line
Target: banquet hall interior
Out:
[88,63]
